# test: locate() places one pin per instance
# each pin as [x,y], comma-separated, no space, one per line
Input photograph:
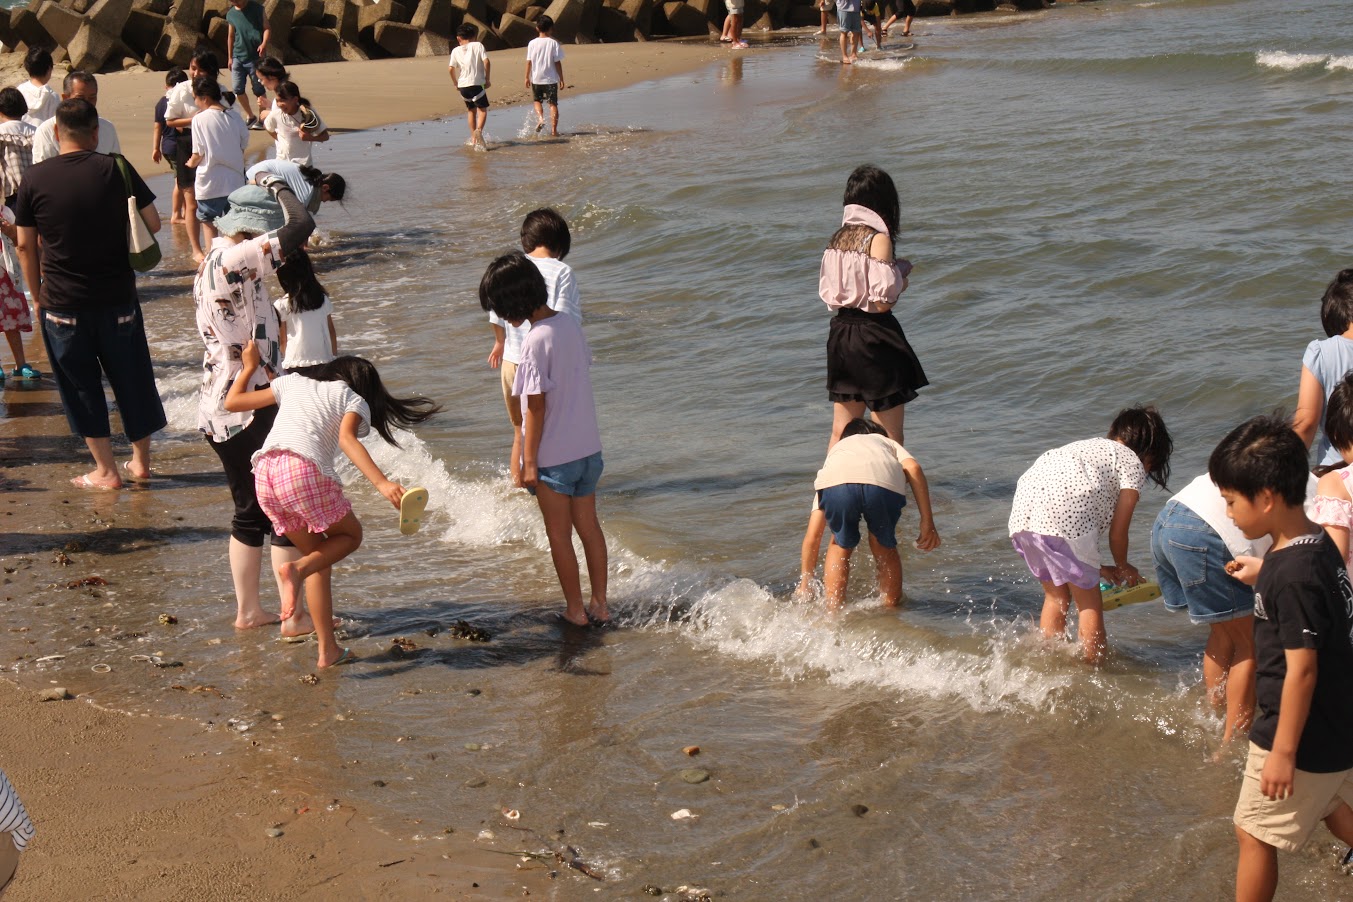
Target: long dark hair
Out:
[1143,430]
[288,90]
[386,410]
[337,185]
[869,186]
[297,277]
[1339,421]
[1336,306]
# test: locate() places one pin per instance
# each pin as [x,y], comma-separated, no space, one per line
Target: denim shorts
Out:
[849,20]
[577,478]
[844,505]
[1191,563]
[84,347]
[239,72]
[209,208]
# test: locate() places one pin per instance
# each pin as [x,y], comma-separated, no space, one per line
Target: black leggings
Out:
[249,525]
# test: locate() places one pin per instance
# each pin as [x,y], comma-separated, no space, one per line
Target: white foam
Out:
[1339,63]
[883,65]
[1278,59]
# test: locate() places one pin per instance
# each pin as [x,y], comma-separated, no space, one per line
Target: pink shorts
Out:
[296,495]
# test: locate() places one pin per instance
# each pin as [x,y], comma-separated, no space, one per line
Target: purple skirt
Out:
[1051,561]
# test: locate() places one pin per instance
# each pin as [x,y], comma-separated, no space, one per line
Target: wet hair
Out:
[546,228]
[467,31]
[175,76]
[1261,453]
[77,119]
[78,76]
[288,90]
[38,62]
[12,103]
[207,61]
[1336,306]
[869,186]
[544,25]
[861,426]
[297,277]
[513,287]
[1339,417]
[337,185]
[271,67]
[1143,430]
[207,87]
[386,410]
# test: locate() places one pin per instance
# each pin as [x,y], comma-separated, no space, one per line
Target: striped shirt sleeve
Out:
[13,817]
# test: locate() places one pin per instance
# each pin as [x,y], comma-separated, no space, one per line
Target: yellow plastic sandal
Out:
[1118,596]
[411,508]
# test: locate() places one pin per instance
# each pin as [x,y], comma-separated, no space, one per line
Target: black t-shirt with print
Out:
[1303,600]
[78,204]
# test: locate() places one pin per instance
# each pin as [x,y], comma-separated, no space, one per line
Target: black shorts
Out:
[475,97]
[184,175]
[249,525]
[545,94]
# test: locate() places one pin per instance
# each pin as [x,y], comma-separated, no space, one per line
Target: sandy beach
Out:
[146,807]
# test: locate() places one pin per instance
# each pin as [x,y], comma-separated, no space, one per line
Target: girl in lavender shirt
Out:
[557,453]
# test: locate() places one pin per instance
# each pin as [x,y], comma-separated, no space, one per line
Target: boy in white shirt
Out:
[469,66]
[41,99]
[219,140]
[545,73]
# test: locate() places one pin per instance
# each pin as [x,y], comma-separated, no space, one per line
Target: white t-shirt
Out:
[543,53]
[1204,498]
[13,818]
[308,418]
[291,173]
[287,130]
[563,297]
[45,145]
[219,138]
[468,60]
[864,460]
[308,341]
[1071,492]
[42,102]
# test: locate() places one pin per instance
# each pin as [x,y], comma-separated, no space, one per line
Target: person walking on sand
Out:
[76,203]
[732,24]
[85,86]
[545,73]
[470,66]
[247,34]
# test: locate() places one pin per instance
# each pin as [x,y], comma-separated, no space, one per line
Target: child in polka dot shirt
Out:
[1068,499]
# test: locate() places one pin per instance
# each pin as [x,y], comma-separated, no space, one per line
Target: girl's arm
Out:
[155,143]
[240,398]
[533,426]
[920,489]
[333,337]
[352,446]
[1310,407]
[811,550]
[499,342]
[1122,572]
[1331,486]
[282,336]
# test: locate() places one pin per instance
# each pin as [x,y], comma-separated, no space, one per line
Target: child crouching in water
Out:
[556,455]
[865,475]
[297,487]
[1072,495]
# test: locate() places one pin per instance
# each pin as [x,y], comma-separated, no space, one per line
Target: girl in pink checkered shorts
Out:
[328,409]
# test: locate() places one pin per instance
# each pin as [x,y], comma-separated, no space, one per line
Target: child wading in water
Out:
[1068,498]
[1333,508]
[294,470]
[557,453]
[305,316]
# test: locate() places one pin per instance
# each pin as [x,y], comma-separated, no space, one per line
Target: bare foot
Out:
[597,613]
[262,618]
[577,619]
[89,482]
[289,581]
[177,220]
[302,625]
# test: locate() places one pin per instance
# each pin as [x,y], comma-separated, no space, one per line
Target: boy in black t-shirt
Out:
[1300,766]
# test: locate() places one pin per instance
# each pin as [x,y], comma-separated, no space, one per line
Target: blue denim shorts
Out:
[1191,564]
[239,72]
[844,505]
[209,208]
[577,478]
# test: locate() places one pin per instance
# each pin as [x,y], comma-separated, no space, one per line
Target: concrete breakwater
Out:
[102,35]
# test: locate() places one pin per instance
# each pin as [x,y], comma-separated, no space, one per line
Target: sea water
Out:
[1107,204]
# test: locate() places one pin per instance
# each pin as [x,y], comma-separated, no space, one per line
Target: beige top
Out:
[865,459]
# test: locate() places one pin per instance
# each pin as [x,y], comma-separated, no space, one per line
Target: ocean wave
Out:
[1290,62]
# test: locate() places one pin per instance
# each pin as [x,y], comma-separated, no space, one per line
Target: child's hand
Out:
[393,491]
[529,477]
[516,472]
[1275,780]
[155,155]
[249,355]
[929,539]
[1128,576]
[496,356]
[1245,568]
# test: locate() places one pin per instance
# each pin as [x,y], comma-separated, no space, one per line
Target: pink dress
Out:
[14,313]
[1330,511]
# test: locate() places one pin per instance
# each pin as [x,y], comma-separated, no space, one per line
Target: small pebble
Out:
[859,810]
[692,750]
[377,783]
[476,782]
[55,694]
[695,775]
[274,832]
[471,746]
[652,890]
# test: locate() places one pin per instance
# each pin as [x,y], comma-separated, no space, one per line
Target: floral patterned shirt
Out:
[233,307]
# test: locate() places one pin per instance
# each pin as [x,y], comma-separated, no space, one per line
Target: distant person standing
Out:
[82,85]
[247,35]
[165,142]
[16,143]
[732,24]
[272,73]
[294,125]
[545,73]
[219,141]
[852,33]
[41,99]
[76,203]
[470,68]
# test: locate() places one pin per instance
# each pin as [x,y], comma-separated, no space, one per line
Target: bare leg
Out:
[104,473]
[1056,602]
[243,98]
[319,586]
[588,527]
[299,624]
[554,119]
[246,562]
[823,29]
[470,119]
[176,205]
[906,26]
[1090,622]
[1229,660]
[15,339]
[842,413]
[540,115]
[892,420]
[209,233]
[1256,869]
[889,565]
[140,463]
[481,120]
[1340,823]
[835,575]
[191,224]
[845,47]
[339,541]
[557,511]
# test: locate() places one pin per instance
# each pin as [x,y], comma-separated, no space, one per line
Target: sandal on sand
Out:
[345,658]
[84,482]
[411,508]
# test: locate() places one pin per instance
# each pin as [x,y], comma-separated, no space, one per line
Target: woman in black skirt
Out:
[870,365]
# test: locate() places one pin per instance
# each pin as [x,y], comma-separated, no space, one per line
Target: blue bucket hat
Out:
[253,210]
